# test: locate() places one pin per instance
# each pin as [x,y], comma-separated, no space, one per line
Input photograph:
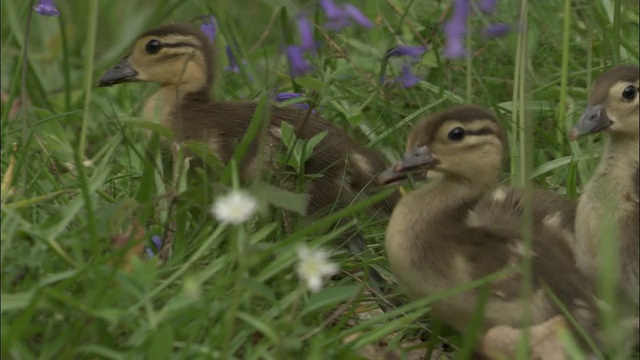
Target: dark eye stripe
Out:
[179,44]
[482,131]
[176,45]
[172,56]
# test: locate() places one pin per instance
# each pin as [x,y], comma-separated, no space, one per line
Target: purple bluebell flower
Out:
[487,6]
[339,18]
[209,28]
[356,15]
[299,65]
[47,8]
[305,29]
[332,10]
[284,96]
[233,63]
[496,30]
[407,78]
[402,50]
[157,243]
[455,29]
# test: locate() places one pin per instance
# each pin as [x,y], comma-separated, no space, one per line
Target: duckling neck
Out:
[611,193]
[438,199]
[162,107]
[616,172]
[436,206]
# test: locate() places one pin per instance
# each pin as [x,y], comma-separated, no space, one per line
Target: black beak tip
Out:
[102,83]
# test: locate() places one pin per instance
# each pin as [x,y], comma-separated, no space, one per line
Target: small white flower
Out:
[236,207]
[313,265]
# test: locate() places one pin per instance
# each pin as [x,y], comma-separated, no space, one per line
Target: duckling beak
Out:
[416,161]
[121,72]
[593,120]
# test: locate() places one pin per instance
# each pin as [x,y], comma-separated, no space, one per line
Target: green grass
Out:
[65,292]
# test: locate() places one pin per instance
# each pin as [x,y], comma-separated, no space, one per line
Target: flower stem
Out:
[88,86]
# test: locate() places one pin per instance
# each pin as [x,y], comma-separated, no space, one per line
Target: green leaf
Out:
[313,142]
[144,271]
[551,165]
[310,83]
[288,135]
[261,326]
[161,342]
[330,297]
[36,200]
[282,198]
[17,301]
[202,151]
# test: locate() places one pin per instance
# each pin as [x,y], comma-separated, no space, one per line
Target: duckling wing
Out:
[344,168]
[504,208]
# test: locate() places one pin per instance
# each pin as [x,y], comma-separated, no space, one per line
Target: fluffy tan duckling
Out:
[180,58]
[461,227]
[612,190]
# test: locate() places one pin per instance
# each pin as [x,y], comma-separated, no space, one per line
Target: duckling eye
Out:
[630,92]
[153,46]
[456,134]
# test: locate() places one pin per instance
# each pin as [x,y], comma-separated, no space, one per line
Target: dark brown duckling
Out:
[179,57]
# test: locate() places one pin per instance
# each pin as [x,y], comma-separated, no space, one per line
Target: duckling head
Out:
[462,143]
[177,55]
[613,104]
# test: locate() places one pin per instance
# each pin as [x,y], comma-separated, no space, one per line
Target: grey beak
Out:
[593,120]
[419,159]
[121,72]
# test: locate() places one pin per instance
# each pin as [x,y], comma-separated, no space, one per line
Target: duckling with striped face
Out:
[612,192]
[180,58]
[463,226]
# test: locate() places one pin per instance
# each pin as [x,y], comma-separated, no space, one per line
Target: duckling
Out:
[180,58]
[612,190]
[463,226]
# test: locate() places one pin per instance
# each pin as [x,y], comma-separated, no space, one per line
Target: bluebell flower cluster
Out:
[46,8]
[210,28]
[455,28]
[338,17]
[412,55]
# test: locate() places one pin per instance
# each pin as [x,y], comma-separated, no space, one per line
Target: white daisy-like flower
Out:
[236,207]
[313,265]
